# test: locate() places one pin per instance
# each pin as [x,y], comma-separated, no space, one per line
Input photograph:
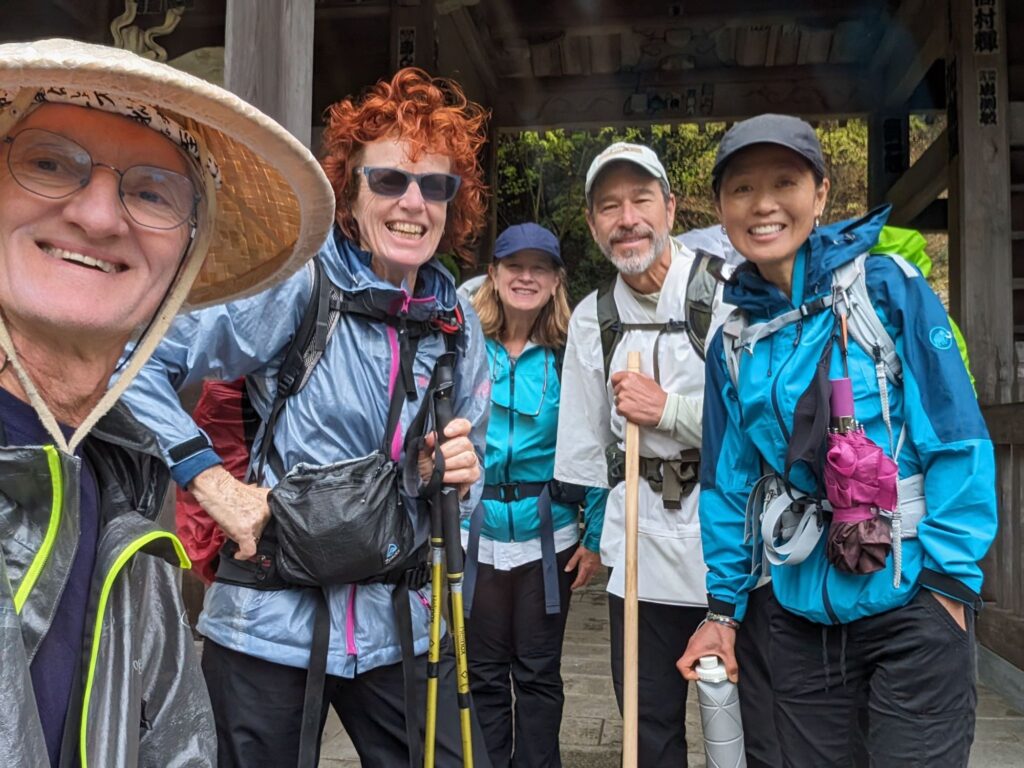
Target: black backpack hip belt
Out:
[674,479]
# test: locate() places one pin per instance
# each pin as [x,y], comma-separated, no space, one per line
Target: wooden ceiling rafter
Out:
[915,38]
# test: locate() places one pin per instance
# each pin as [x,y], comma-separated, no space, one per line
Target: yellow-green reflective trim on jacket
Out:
[101,608]
[57,495]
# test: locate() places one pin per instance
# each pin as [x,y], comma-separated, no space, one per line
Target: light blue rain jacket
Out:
[521,433]
[946,437]
[340,414]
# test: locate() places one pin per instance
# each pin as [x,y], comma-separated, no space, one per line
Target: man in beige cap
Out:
[630,210]
[121,182]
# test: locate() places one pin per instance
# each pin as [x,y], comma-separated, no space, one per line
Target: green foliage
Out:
[846,154]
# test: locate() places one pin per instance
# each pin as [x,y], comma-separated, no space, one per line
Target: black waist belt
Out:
[508,492]
[672,478]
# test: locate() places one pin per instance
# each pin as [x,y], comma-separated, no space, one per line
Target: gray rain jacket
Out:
[141,699]
[340,413]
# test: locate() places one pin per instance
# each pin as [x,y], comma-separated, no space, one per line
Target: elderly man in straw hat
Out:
[122,183]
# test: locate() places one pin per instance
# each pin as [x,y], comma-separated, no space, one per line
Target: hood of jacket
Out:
[349,268]
[827,248]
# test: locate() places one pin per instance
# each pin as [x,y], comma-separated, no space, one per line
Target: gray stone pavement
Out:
[592,729]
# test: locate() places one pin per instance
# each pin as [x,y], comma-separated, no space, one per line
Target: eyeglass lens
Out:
[54,166]
[392,182]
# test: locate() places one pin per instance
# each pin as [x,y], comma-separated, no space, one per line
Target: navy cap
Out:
[524,237]
[783,130]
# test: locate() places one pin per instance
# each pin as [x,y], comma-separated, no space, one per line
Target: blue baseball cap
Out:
[525,237]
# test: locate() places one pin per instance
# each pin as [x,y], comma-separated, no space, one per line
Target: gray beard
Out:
[636,261]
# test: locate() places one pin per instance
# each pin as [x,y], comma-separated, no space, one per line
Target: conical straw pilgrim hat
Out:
[273,205]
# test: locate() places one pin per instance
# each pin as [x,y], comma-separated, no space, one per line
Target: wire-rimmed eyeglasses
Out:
[53,166]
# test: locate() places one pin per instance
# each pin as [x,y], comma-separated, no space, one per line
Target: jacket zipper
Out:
[35,568]
[778,377]
[511,428]
[120,563]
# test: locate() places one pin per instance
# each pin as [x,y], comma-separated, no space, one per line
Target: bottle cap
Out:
[711,670]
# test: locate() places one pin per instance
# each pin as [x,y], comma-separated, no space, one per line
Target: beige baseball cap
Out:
[622,151]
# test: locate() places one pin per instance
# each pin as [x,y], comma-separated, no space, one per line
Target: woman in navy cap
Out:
[523,549]
[893,633]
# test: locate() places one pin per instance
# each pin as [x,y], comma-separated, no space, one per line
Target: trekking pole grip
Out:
[443,415]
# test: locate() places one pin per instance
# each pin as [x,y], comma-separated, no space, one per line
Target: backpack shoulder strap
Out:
[850,291]
[304,352]
[559,361]
[608,322]
[706,275]
[310,339]
[612,328]
[732,332]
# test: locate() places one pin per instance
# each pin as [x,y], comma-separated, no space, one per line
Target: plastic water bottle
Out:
[720,715]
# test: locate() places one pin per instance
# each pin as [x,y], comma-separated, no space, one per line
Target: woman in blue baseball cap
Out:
[523,550]
[884,625]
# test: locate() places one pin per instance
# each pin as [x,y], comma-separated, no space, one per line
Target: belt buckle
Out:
[508,492]
[653,473]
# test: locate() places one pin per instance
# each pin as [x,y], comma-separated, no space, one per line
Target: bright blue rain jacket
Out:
[521,447]
[946,438]
[340,414]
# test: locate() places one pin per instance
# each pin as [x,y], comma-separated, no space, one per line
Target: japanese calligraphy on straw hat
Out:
[267,206]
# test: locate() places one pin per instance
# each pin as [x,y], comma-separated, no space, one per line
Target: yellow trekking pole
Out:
[452,540]
[434,651]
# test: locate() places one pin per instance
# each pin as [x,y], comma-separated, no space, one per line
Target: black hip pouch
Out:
[340,523]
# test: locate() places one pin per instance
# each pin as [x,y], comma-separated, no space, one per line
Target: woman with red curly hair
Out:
[403,161]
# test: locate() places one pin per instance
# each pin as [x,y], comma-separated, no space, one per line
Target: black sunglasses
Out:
[392,182]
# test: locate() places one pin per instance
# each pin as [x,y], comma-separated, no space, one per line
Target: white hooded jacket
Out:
[671,567]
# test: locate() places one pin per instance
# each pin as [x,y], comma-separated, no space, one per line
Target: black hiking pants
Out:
[664,631]
[257,706]
[757,701]
[514,646]
[912,668]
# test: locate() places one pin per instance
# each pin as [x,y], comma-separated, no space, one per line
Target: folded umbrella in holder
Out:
[860,482]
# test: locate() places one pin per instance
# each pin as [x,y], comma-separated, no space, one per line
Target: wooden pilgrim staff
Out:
[631,623]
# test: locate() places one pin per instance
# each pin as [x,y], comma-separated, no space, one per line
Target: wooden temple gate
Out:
[589,63]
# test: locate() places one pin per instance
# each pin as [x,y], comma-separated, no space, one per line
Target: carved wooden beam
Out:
[722,94]
[542,18]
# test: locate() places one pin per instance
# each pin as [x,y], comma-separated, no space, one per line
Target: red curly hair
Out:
[432,115]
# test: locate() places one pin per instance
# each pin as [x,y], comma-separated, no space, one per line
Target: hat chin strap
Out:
[162,321]
[34,398]
[146,345]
